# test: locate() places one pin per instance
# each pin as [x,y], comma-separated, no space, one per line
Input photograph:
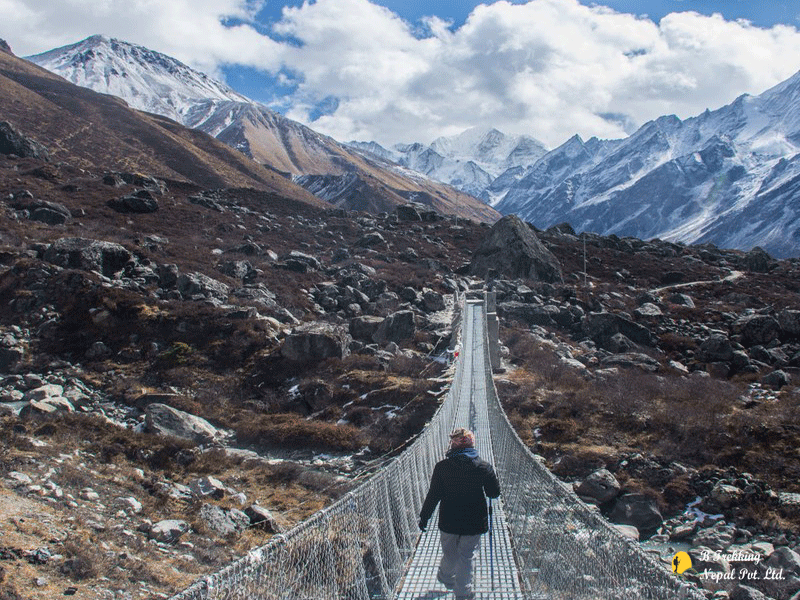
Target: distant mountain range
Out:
[153,82]
[471,161]
[730,177]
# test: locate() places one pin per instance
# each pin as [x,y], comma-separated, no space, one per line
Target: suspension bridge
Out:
[545,542]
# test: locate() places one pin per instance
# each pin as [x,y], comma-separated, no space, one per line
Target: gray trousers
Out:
[456,566]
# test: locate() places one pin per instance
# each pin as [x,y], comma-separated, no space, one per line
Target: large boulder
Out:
[530,314]
[168,531]
[165,420]
[140,201]
[192,285]
[223,522]
[316,341]
[512,249]
[107,258]
[601,486]
[638,510]
[715,348]
[13,142]
[789,322]
[51,213]
[757,330]
[263,519]
[757,260]
[603,326]
[363,328]
[396,327]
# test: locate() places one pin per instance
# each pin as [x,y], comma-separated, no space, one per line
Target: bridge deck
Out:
[493,579]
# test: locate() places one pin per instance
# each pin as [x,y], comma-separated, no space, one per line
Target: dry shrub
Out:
[672,343]
[285,430]
[82,562]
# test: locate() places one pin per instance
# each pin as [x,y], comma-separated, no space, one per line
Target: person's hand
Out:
[423,525]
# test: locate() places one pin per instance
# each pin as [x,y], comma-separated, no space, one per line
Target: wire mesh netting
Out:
[361,546]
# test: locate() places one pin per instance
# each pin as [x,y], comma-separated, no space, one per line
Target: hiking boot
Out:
[448,584]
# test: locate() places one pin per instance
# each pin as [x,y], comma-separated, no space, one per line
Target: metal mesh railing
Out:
[359,547]
[565,549]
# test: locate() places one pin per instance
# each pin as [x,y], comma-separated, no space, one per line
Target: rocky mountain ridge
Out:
[470,161]
[727,177]
[151,81]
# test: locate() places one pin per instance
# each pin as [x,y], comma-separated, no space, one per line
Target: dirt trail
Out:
[734,275]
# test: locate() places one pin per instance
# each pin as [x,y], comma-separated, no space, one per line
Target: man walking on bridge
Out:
[461,482]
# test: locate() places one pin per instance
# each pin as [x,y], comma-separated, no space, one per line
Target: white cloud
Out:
[548,68]
[191,30]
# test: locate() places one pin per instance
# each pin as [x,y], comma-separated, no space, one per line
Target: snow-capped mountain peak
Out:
[146,79]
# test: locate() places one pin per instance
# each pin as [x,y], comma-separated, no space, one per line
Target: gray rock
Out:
[757,260]
[139,202]
[432,301]
[13,142]
[407,212]
[512,249]
[785,558]
[44,392]
[716,348]
[17,479]
[744,592]
[238,269]
[600,485]
[648,310]
[364,327]
[207,486]
[263,518]
[602,326]
[191,285]
[316,341]
[789,322]
[629,531]
[681,300]
[638,510]
[168,531]
[311,263]
[165,420]
[90,255]
[98,350]
[726,495]
[530,314]
[757,329]
[718,538]
[51,213]
[777,379]
[631,360]
[224,522]
[371,239]
[396,327]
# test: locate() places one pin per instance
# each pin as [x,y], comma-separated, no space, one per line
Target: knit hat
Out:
[462,438]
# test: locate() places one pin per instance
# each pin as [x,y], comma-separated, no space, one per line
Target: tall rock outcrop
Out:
[513,250]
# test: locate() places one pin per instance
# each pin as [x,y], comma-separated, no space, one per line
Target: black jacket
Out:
[459,482]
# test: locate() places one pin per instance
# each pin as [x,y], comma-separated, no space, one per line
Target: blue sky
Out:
[394,71]
[763,13]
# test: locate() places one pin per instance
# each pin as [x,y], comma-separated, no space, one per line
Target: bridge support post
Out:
[493,329]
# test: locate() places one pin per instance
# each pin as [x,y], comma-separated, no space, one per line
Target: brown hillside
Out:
[97,131]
